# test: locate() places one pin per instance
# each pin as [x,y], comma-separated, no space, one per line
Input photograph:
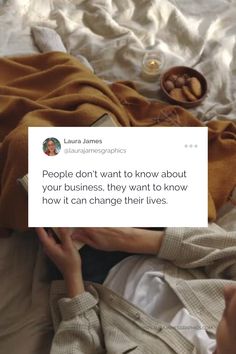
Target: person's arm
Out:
[211,248]
[79,331]
[125,239]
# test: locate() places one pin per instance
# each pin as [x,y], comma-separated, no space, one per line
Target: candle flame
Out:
[153,64]
[151,67]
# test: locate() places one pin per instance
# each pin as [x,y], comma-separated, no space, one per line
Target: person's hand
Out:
[66,258]
[124,239]
[225,334]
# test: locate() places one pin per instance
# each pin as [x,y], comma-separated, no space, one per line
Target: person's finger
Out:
[65,237]
[50,232]
[42,234]
[77,235]
[48,242]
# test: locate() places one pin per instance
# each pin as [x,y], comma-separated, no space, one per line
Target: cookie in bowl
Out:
[184,86]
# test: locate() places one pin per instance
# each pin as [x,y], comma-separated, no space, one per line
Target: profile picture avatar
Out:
[51,146]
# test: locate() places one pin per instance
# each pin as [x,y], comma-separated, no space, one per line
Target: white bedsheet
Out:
[113,36]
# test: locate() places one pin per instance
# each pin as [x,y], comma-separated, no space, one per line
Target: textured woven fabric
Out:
[197,271]
[55,89]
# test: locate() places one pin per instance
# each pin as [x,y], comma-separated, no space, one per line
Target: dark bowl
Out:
[181,70]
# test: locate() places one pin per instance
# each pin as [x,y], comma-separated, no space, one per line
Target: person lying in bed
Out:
[178,297]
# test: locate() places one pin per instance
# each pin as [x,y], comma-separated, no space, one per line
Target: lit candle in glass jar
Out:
[151,65]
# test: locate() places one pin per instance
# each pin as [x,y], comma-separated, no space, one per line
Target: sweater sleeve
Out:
[211,249]
[79,331]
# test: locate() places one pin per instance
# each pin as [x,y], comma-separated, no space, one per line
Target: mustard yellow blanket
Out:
[55,89]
